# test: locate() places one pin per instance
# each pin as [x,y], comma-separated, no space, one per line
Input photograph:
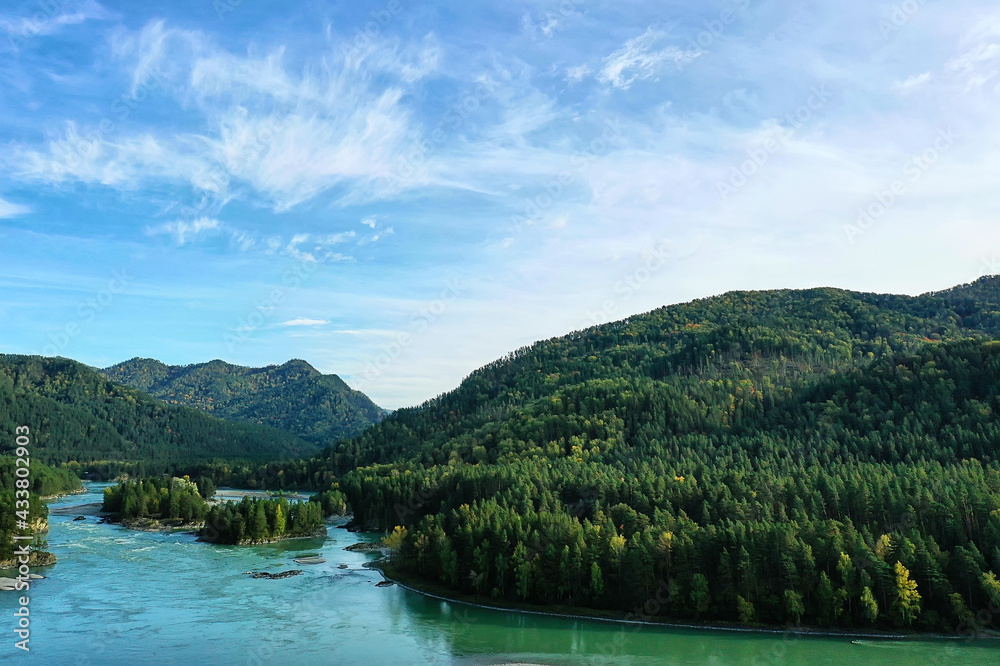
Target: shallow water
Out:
[124,597]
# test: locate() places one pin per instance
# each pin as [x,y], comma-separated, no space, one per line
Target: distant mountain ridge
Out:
[78,415]
[295,396]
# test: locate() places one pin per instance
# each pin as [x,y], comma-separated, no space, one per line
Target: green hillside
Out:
[76,414]
[821,457]
[294,397]
[15,507]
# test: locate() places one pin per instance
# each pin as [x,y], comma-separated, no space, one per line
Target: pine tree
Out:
[825,599]
[700,595]
[258,531]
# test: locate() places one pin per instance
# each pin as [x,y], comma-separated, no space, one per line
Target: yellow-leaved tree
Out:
[907,597]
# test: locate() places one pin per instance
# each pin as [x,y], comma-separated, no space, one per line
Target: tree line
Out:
[159,498]
[256,520]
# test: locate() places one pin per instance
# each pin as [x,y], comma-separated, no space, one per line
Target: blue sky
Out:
[400,192]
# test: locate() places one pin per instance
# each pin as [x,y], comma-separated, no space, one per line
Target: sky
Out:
[401,192]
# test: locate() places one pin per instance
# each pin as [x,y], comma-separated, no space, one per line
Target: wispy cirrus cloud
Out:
[303,322]
[48,18]
[641,59]
[913,82]
[9,209]
[313,248]
[286,135]
[185,231]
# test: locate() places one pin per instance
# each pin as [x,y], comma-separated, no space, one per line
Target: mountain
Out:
[817,456]
[76,414]
[294,397]
[789,339]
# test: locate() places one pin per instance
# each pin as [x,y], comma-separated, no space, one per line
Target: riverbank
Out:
[330,614]
[37,558]
[440,592]
[58,496]
[155,524]
[236,495]
[319,533]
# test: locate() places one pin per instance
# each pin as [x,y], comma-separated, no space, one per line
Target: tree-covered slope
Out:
[21,502]
[770,343]
[294,397]
[816,456]
[76,414]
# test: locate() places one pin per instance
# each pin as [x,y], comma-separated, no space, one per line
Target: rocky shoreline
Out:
[318,534]
[154,525]
[48,498]
[36,559]
[10,584]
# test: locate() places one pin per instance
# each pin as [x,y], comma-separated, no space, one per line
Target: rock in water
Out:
[309,560]
[275,576]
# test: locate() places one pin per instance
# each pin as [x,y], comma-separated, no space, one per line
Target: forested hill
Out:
[76,414]
[714,353]
[821,457]
[294,397]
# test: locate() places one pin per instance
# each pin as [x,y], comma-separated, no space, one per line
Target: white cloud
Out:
[638,60]
[915,81]
[8,209]
[243,241]
[44,19]
[124,163]
[577,74]
[288,135]
[547,25]
[376,237]
[370,221]
[342,237]
[302,321]
[978,65]
[318,250]
[368,333]
[184,231]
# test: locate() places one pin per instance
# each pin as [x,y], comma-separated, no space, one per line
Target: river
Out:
[124,597]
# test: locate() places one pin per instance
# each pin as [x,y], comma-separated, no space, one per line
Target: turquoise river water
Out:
[124,597]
